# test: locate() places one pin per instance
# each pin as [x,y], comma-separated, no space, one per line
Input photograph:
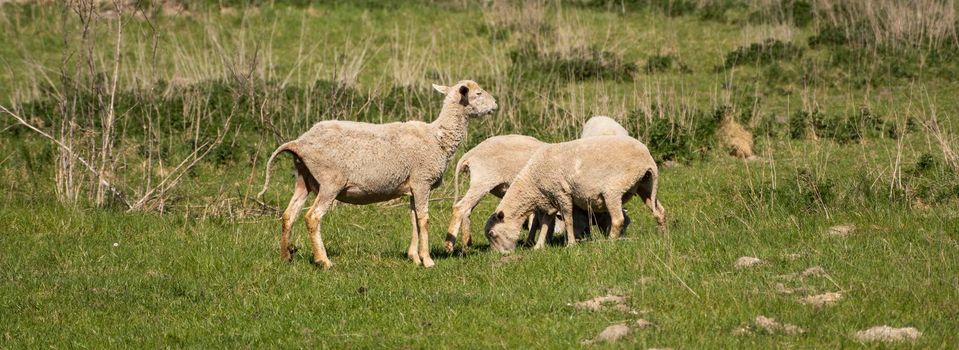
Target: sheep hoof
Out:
[428,262]
[287,254]
[415,258]
[325,264]
[448,246]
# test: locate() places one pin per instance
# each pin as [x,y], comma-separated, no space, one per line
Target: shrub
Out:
[578,64]
[664,63]
[762,53]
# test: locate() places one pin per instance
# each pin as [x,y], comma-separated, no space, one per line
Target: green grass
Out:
[206,271]
[175,282]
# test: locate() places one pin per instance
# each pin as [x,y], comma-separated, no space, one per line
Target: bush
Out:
[930,180]
[664,63]
[579,64]
[840,129]
[681,140]
[762,53]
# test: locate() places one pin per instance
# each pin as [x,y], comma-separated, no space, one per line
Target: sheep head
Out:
[501,232]
[470,95]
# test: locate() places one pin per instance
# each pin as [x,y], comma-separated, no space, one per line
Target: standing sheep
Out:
[599,125]
[362,163]
[601,174]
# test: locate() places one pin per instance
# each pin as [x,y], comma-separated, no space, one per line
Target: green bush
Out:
[762,53]
[579,64]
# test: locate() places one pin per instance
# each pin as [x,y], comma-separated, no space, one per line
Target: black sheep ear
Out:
[464,90]
[500,216]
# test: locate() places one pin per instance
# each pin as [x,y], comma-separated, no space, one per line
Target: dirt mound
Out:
[770,325]
[643,324]
[608,301]
[781,288]
[610,334]
[888,334]
[815,271]
[747,261]
[824,299]
[841,230]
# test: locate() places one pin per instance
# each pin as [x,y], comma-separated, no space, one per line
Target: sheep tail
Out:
[269,164]
[456,176]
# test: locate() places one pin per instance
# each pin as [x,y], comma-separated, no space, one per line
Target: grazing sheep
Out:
[492,165]
[362,163]
[600,174]
[601,125]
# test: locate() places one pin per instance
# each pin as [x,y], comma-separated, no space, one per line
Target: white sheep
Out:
[598,174]
[497,160]
[362,163]
[492,165]
[601,125]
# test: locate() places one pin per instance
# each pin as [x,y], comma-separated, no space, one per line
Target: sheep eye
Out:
[479,93]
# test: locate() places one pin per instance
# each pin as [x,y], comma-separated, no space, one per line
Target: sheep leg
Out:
[460,218]
[566,210]
[411,252]
[547,223]
[421,201]
[314,216]
[614,208]
[300,193]
[532,223]
[660,213]
[582,223]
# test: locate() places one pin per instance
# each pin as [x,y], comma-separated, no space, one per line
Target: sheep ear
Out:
[464,90]
[500,216]
[442,89]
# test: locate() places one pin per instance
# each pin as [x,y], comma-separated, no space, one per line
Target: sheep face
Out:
[502,235]
[471,96]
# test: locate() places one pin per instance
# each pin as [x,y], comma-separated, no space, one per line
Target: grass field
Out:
[853,117]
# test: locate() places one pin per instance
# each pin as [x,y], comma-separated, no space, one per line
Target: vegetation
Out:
[134,135]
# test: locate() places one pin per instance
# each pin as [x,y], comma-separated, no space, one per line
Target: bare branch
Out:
[102,180]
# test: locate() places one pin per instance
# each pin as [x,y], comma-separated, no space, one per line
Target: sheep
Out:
[495,162]
[601,125]
[362,163]
[492,165]
[601,173]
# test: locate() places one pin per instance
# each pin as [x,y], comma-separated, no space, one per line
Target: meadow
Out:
[133,137]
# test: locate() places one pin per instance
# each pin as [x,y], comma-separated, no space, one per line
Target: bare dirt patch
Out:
[888,334]
[747,261]
[770,325]
[781,288]
[820,300]
[815,271]
[606,302]
[643,324]
[610,334]
[841,230]
[792,256]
